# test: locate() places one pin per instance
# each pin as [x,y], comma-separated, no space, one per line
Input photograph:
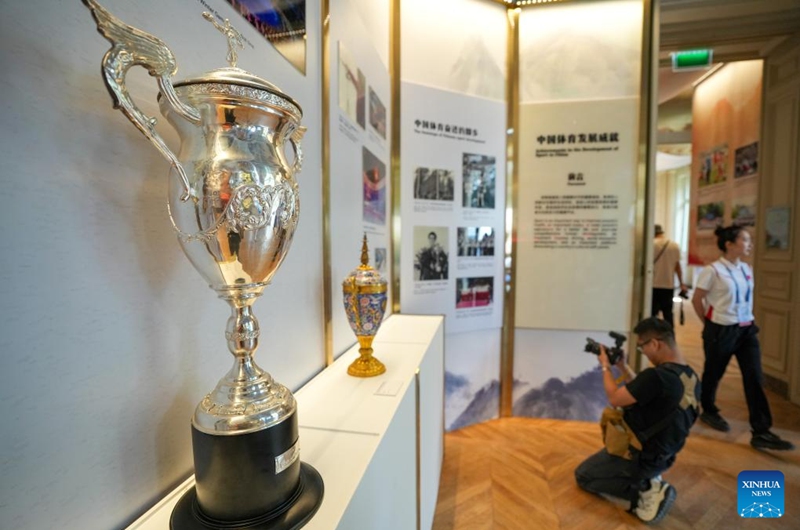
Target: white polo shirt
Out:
[730,292]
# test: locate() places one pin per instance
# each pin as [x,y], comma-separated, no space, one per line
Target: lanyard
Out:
[736,284]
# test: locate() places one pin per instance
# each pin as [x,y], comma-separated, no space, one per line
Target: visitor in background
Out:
[666,264]
[723,299]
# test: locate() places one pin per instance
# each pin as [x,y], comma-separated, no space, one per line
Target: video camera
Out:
[614,354]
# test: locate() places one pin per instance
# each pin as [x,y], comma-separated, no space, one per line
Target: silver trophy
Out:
[234,204]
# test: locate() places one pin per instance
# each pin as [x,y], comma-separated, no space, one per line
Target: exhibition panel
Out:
[579,83]
[452,187]
[726,126]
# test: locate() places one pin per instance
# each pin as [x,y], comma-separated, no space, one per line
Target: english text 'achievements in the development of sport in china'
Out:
[233,202]
[365,304]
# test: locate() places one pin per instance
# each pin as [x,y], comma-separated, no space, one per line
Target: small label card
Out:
[389,388]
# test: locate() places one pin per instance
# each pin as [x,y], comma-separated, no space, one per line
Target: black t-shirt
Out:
[658,392]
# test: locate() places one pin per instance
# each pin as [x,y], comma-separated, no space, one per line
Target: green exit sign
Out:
[692,59]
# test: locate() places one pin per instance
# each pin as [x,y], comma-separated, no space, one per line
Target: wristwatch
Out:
[604,368]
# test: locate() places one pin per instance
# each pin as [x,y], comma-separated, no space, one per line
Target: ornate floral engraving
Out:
[251,208]
[277,400]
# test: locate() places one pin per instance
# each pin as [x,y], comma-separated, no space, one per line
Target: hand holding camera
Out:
[614,354]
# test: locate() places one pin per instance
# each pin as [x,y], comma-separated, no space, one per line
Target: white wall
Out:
[109,337]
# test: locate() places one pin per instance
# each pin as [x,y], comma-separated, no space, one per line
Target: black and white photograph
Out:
[475,241]
[377,113]
[431,260]
[479,172]
[474,292]
[433,184]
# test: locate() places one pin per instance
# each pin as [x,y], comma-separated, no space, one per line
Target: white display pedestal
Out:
[377,442]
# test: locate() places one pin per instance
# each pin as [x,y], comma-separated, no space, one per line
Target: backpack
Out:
[619,438]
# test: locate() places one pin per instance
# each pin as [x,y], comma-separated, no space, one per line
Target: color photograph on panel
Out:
[377,113]
[352,84]
[778,220]
[478,173]
[282,22]
[431,261]
[746,161]
[713,167]
[743,212]
[374,179]
[474,292]
[710,215]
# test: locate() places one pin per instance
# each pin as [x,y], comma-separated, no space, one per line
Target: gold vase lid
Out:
[365,276]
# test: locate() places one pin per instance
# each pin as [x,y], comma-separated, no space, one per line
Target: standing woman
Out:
[723,299]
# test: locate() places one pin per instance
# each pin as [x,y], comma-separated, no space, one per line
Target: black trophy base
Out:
[293,514]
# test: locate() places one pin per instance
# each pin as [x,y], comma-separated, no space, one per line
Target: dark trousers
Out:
[613,475]
[720,344]
[662,301]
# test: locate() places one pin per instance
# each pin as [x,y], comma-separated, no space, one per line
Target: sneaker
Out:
[654,503]
[715,421]
[770,440]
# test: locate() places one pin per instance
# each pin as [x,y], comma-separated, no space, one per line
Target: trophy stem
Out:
[246,399]
[366,365]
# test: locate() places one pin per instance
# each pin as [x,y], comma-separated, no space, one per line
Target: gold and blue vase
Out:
[365,304]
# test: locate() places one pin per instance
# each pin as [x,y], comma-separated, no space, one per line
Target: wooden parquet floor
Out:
[517,473]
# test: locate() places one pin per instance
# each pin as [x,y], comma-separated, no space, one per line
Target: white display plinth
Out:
[363,435]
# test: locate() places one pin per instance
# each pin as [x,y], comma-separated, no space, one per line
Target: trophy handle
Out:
[294,139]
[133,47]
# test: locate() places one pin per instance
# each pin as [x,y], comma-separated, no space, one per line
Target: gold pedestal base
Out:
[366,365]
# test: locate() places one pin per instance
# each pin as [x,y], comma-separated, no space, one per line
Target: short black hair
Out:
[432,234]
[656,328]
[726,234]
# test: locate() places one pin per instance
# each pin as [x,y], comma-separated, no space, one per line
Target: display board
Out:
[452,208]
[467,71]
[576,200]
[360,136]
[578,138]
[726,121]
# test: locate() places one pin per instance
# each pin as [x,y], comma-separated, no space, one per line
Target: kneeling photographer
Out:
[658,407]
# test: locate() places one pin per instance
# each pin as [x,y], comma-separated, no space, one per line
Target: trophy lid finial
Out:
[364,252]
[235,39]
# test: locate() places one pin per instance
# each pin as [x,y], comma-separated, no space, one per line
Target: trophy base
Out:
[291,515]
[366,367]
